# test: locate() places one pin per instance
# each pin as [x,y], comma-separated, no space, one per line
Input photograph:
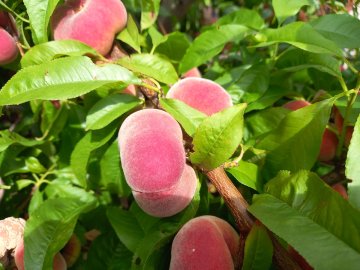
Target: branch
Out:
[238,207]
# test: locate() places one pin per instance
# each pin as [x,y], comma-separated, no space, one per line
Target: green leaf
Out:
[23,183]
[151,65]
[49,227]
[287,8]
[217,137]
[109,108]
[210,43]
[156,38]
[34,165]
[126,227]
[174,46]
[39,12]
[62,78]
[341,104]
[46,52]
[81,154]
[342,29]
[302,209]
[258,249]
[294,59]
[8,138]
[301,35]
[295,143]
[149,12]
[243,16]
[112,176]
[130,35]
[352,166]
[188,117]
[247,174]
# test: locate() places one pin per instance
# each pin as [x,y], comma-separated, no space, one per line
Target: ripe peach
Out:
[130,90]
[205,242]
[1,190]
[328,146]
[194,72]
[341,190]
[58,263]
[201,94]
[8,48]
[93,22]
[151,151]
[170,202]
[296,104]
[339,122]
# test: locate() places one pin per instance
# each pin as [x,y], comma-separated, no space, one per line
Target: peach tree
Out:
[179,134]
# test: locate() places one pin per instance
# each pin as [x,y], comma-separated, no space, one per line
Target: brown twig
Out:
[238,207]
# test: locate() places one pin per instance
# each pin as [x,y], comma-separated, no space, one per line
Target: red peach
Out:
[205,242]
[170,202]
[8,48]
[93,22]
[194,72]
[201,94]
[328,146]
[296,104]
[151,151]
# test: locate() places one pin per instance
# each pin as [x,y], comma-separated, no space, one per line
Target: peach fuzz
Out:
[296,104]
[93,22]
[170,202]
[201,94]
[205,242]
[151,151]
[58,263]
[8,48]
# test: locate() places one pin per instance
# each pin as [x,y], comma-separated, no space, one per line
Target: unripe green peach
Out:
[93,22]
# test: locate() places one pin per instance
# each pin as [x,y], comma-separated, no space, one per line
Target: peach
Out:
[71,251]
[170,202]
[205,242]
[151,151]
[8,48]
[93,22]
[58,263]
[339,122]
[339,188]
[328,146]
[4,19]
[194,72]
[201,94]
[130,90]
[296,104]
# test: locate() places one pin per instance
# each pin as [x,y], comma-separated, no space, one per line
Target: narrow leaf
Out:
[352,166]
[46,52]
[243,16]
[342,29]
[39,12]
[149,12]
[109,108]
[258,249]
[131,35]
[286,8]
[247,174]
[49,228]
[188,117]
[62,78]
[301,35]
[8,138]
[151,65]
[217,137]
[210,43]
[301,209]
